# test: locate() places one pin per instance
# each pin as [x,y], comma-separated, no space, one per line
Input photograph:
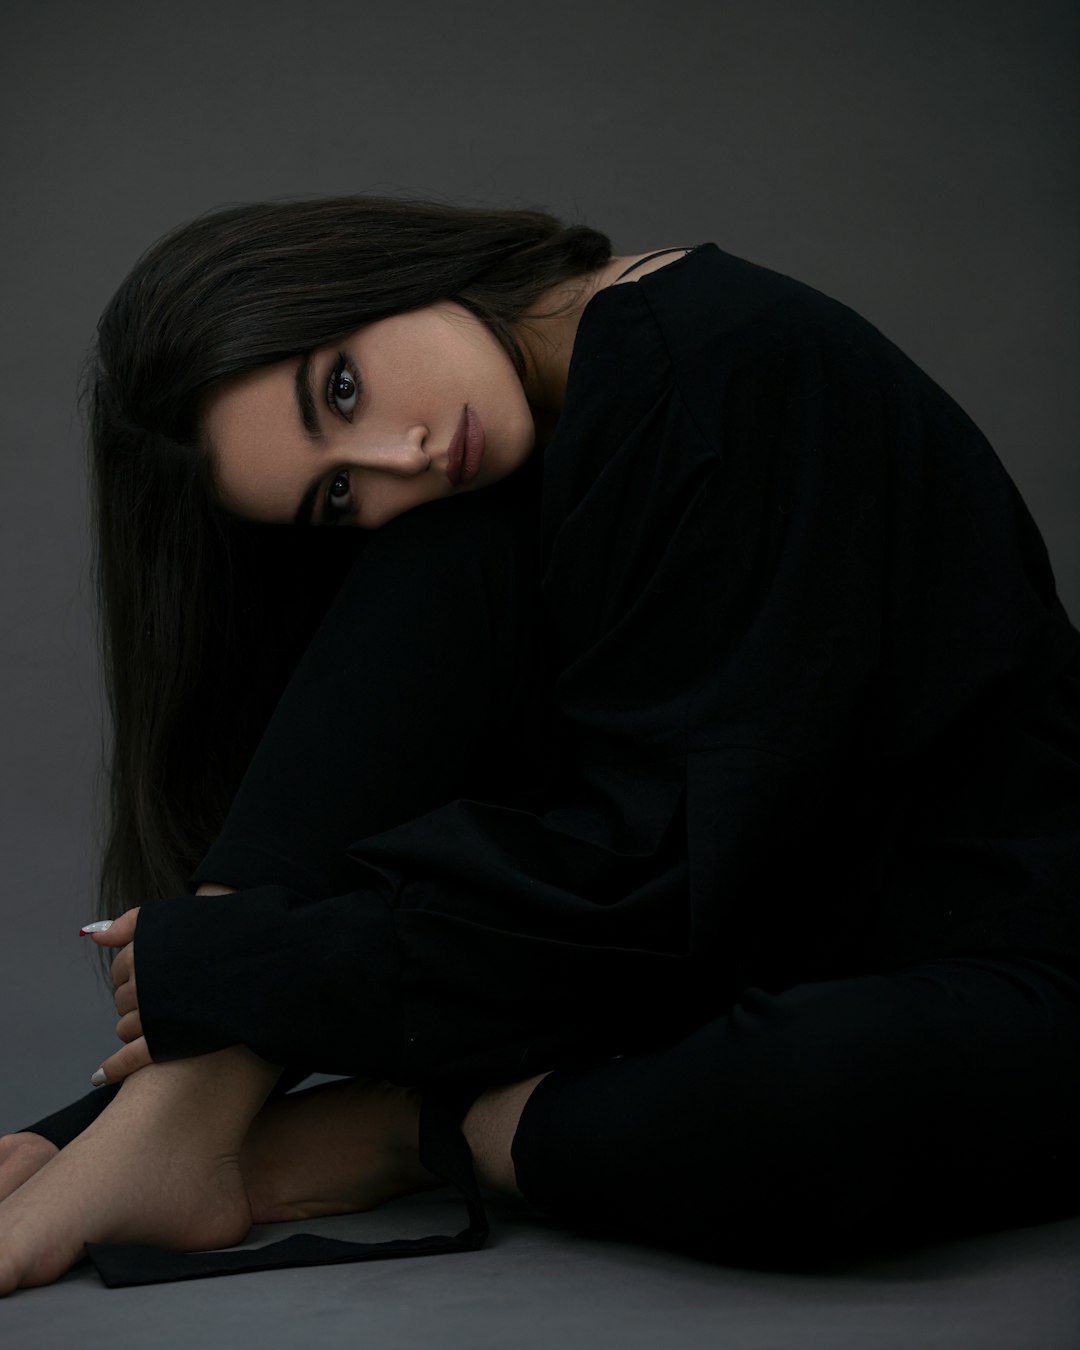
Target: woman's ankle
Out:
[224,1090]
[335,1148]
[489,1128]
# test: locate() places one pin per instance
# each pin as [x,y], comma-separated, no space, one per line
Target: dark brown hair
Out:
[183,591]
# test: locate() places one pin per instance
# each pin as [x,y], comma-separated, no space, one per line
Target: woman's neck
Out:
[547,334]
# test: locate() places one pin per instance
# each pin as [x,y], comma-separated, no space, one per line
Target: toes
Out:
[25,1145]
[9,1276]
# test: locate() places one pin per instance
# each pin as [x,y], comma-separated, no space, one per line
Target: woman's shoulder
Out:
[728,312]
[736,292]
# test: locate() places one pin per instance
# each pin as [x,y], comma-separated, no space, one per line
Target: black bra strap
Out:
[648,258]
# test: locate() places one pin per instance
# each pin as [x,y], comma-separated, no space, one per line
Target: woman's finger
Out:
[126,999]
[129,1028]
[113,932]
[123,965]
[126,1061]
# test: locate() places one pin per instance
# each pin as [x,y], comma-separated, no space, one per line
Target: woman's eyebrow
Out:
[305,401]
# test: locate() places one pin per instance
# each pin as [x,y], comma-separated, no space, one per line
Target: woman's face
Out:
[372,425]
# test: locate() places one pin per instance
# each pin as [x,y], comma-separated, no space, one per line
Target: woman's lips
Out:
[466,449]
[474,445]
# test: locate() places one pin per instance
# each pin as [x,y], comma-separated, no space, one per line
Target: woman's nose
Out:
[403,454]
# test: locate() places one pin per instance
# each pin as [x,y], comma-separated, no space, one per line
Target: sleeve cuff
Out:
[300,982]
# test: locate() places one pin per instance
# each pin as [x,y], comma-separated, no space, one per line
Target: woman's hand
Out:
[135,1054]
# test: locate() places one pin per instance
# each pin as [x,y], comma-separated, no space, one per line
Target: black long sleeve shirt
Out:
[756,674]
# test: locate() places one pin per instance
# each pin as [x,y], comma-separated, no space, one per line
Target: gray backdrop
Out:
[917,159]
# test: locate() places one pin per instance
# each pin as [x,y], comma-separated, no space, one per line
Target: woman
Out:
[680,789]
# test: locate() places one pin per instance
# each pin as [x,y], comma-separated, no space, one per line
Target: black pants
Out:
[835,1116]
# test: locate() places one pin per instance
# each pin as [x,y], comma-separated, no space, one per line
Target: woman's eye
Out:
[343,389]
[339,495]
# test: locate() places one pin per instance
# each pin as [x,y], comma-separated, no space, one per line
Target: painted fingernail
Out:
[102,926]
[98,1078]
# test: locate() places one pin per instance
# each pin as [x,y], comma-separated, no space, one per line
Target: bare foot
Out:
[21,1155]
[338,1148]
[160,1165]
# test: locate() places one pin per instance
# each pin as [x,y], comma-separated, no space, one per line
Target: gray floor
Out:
[539,1287]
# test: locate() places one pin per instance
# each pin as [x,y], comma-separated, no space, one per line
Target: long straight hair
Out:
[200,617]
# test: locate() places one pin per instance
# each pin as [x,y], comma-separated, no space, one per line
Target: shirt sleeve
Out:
[416,688]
